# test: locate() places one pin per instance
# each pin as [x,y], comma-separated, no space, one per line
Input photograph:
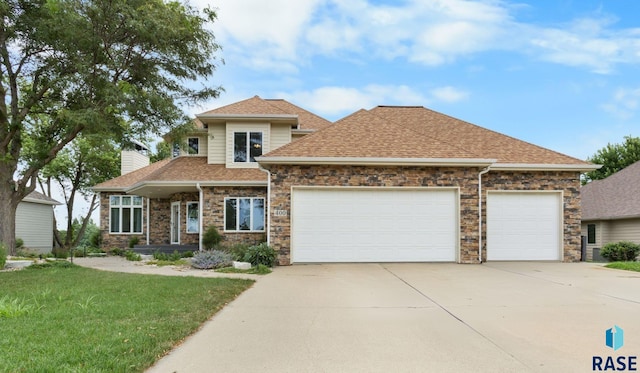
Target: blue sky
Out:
[559,74]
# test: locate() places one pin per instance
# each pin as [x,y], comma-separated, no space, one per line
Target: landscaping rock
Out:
[241,265]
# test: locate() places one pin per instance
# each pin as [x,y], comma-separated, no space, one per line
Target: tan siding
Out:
[34,225]
[216,145]
[280,135]
[132,160]
[246,127]
[625,230]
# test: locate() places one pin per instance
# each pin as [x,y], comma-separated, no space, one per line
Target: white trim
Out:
[224,219]
[172,239]
[200,215]
[147,219]
[354,161]
[246,116]
[544,167]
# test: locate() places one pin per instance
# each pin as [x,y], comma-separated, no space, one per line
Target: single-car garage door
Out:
[373,225]
[524,226]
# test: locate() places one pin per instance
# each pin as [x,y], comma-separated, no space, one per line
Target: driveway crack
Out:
[450,313]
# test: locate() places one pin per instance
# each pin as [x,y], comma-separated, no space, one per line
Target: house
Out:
[34,222]
[390,184]
[611,209]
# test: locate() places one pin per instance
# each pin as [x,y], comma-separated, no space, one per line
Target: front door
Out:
[175,223]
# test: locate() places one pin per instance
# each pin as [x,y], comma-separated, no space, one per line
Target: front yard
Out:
[78,319]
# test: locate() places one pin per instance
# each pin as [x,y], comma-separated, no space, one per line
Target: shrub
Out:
[261,254]
[117,251]
[175,256]
[211,238]
[211,259]
[52,264]
[238,251]
[133,241]
[19,243]
[3,256]
[187,254]
[132,256]
[620,251]
[95,239]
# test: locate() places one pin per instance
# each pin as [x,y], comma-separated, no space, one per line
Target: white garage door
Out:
[373,225]
[524,226]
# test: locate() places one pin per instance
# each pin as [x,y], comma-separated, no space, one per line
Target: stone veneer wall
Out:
[110,241]
[213,213]
[160,219]
[567,182]
[283,177]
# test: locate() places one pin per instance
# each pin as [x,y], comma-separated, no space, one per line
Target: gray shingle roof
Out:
[616,197]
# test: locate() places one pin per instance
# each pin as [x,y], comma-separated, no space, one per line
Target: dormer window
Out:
[193,145]
[247,146]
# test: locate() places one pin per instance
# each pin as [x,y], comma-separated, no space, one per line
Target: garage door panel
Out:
[373,225]
[524,226]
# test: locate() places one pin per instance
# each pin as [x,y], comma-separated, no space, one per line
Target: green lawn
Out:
[83,320]
[629,266]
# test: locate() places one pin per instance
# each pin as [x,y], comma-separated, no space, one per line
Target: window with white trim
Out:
[193,217]
[125,214]
[193,145]
[247,146]
[244,214]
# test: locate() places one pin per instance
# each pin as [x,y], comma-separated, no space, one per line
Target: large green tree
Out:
[86,161]
[114,68]
[614,157]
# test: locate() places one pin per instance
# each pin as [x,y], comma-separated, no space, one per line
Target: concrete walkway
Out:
[120,264]
[496,317]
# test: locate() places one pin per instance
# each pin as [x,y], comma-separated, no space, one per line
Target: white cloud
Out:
[334,101]
[282,35]
[449,94]
[624,103]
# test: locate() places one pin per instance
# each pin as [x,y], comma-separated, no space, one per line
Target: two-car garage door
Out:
[374,224]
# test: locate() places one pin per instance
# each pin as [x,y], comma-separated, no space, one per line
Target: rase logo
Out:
[614,339]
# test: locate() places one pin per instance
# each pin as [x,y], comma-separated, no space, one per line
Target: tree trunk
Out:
[8,220]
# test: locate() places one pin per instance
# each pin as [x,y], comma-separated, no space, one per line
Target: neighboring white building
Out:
[34,222]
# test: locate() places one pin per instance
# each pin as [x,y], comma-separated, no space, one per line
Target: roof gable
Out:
[418,133]
[614,197]
[254,106]
[476,139]
[308,120]
[365,135]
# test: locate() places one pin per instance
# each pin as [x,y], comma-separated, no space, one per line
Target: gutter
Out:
[148,203]
[480,212]
[268,230]
[200,208]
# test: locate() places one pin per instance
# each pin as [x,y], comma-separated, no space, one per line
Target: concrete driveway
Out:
[494,317]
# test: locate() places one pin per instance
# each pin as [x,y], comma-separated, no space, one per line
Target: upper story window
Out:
[125,214]
[193,145]
[247,146]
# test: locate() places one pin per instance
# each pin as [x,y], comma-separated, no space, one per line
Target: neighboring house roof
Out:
[416,133]
[159,179]
[37,197]
[259,107]
[615,197]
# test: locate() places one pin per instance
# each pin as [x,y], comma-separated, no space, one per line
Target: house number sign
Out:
[279,212]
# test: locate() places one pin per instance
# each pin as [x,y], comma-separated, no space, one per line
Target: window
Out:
[591,233]
[125,214]
[193,217]
[247,146]
[193,145]
[175,150]
[244,214]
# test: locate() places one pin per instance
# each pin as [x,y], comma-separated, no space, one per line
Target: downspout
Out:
[148,203]
[200,214]
[268,204]
[480,212]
